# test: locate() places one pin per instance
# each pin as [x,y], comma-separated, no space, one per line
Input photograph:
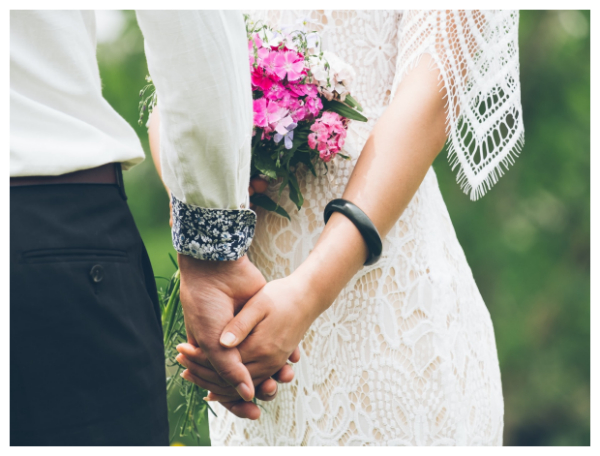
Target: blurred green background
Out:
[527,241]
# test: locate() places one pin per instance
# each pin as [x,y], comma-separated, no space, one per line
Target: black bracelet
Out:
[362,222]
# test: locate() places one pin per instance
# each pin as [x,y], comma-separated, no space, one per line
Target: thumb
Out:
[242,324]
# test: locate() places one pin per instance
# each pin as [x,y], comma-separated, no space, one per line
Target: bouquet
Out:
[302,107]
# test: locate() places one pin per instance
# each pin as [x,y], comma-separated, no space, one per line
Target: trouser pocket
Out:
[85,343]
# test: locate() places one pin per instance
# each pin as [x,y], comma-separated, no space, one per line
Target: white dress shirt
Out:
[60,122]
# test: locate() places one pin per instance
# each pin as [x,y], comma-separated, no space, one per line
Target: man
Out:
[87,364]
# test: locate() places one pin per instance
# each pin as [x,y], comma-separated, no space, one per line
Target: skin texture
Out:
[212,292]
[394,161]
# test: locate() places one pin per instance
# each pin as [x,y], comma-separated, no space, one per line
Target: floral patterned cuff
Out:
[212,234]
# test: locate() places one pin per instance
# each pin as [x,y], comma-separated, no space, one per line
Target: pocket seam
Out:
[72,255]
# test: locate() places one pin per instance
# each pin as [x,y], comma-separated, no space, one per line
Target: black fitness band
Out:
[362,222]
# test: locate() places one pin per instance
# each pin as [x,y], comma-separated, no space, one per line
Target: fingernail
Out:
[244,392]
[273,393]
[178,347]
[181,375]
[228,338]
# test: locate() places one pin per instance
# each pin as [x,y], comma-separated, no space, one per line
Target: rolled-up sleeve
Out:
[198,62]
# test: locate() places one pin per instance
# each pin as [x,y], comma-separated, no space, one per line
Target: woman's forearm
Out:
[392,165]
[154,139]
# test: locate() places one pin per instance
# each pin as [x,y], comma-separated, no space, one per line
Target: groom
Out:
[86,350]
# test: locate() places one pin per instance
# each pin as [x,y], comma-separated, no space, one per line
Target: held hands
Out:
[266,331]
[211,294]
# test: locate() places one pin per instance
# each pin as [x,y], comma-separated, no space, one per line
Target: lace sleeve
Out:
[478,57]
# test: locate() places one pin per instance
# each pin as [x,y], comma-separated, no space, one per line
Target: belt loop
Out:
[120,183]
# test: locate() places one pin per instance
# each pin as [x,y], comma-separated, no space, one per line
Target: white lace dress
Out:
[406,355]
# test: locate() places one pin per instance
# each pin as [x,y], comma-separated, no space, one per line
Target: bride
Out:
[401,352]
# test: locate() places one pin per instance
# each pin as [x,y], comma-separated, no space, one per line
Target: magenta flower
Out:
[260,80]
[276,91]
[311,90]
[288,63]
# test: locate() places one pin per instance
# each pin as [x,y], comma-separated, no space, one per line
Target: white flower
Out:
[312,42]
[320,74]
[342,72]
[271,37]
[341,90]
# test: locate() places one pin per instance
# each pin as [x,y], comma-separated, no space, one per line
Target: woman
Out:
[402,351]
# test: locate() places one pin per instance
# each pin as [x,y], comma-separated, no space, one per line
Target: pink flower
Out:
[255,41]
[268,63]
[314,106]
[300,113]
[329,135]
[256,50]
[290,64]
[311,90]
[267,112]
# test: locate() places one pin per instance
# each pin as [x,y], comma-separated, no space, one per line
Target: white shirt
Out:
[60,122]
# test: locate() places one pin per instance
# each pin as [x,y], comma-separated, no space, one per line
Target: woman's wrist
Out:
[338,255]
[309,303]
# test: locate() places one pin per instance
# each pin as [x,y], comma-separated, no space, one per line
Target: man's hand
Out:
[212,292]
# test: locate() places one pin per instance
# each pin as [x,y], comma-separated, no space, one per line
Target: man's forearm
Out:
[199,64]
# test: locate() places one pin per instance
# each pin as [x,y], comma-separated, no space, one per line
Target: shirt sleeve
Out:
[198,61]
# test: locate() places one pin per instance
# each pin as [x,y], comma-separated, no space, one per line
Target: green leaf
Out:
[284,183]
[267,203]
[344,110]
[295,193]
[174,261]
[351,101]
[265,164]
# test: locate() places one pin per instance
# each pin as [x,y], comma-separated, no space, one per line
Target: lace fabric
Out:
[477,54]
[406,355]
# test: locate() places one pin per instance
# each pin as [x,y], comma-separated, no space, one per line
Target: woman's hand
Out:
[271,325]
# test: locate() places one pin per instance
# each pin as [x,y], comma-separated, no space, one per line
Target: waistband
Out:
[111,173]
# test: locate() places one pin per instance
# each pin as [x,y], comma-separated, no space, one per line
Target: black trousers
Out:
[86,351]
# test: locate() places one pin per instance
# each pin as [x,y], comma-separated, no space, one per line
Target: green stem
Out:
[188,411]
[171,309]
